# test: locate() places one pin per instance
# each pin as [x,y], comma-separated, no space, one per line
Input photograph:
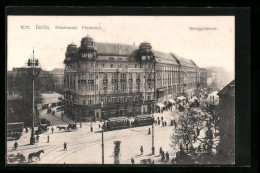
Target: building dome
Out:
[145,48]
[88,44]
[72,48]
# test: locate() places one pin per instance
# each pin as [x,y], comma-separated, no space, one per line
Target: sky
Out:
[214,47]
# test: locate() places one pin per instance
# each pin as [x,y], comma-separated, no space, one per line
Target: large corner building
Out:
[104,80]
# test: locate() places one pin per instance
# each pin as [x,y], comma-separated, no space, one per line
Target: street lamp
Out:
[103,127]
[32,63]
[153,136]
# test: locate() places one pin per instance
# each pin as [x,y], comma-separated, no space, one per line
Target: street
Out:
[84,147]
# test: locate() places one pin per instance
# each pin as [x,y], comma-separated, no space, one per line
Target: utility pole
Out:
[32,64]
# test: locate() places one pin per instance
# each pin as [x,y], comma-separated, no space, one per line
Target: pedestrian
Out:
[165,123]
[160,151]
[159,122]
[141,149]
[26,129]
[80,125]
[198,131]
[37,138]
[48,138]
[65,146]
[99,126]
[162,118]
[162,123]
[15,145]
[163,156]
[153,150]
[149,131]
[132,160]
[91,129]
[167,156]
[199,149]
[52,129]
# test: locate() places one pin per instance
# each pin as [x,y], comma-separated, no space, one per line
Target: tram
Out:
[143,120]
[116,123]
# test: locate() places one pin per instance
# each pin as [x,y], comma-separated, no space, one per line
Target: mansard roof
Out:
[114,48]
[161,57]
[183,61]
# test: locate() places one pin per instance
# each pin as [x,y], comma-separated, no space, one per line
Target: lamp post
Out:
[103,128]
[153,136]
[32,63]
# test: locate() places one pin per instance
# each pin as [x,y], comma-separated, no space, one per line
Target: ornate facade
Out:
[105,80]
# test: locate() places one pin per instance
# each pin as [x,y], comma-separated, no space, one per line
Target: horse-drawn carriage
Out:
[67,128]
[146,161]
[19,157]
[41,129]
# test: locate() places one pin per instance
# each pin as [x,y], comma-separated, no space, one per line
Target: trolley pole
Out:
[102,147]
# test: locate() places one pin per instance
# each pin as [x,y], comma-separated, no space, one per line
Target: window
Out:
[103,65]
[105,86]
[84,102]
[105,76]
[138,75]
[91,65]
[125,99]
[149,85]
[130,86]
[130,76]
[84,55]
[123,86]
[91,76]
[135,65]
[91,87]
[119,65]
[114,76]
[111,65]
[149,76]
[123,76]
[97,76]
[138,86]
[113,86]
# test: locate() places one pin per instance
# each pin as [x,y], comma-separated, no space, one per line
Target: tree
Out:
[190,122]
[23,87]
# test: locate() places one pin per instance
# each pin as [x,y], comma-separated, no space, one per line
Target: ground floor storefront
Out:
[99,112]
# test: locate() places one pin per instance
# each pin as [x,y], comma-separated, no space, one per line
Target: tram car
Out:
[143,120]
[116,123]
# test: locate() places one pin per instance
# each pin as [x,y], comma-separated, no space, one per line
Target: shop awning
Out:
[181,98]
[171,100]
[160,105]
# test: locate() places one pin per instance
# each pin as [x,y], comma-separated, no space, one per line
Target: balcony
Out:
[130,80]
[90,81]
[122,80]
[114,80]
[104,80]
[138,80]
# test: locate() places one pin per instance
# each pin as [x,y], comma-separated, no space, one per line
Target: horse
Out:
[64,128]
[36,154]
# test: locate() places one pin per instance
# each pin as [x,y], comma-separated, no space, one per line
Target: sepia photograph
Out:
[135,90]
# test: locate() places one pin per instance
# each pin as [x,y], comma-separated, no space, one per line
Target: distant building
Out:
[57,77]
[106,80]
[227,122]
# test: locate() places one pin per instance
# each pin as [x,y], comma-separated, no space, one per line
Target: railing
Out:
[122,80]
[90,81]
[114,80]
